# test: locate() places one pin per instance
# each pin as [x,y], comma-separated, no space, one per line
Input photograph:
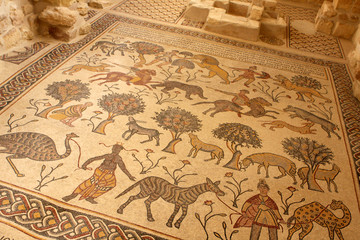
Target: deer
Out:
[321,174]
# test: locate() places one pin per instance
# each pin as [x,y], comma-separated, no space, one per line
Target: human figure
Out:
[70,114]
[103,179]
[260,211]
[238,98]
[248,74]
[165,57]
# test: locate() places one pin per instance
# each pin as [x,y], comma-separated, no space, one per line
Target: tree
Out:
[118,104]
[177,121]
[311,153]
[237,135]
[143,48]
[65,92]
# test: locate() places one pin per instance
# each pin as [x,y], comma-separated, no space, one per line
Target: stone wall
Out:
[354,62]
[246,20]
[21,20]
[339,18]
[312,2]
[17,22]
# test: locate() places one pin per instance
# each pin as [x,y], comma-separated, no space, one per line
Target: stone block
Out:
[324,25]
[63,33]
[85,28]
[356,7]
[343,4]
[198,12]
[17,17]
[239,8]
[26,33]
[258,3]
[12,37]
[327,9]
[224,4]
[256,13]
[32,21]
[99,3]
[273,27]
[27,8]
[82,8]
[59,16]
[269,3]
[61,3]
[230,25]
[5,24]
[356,36]
[344,30]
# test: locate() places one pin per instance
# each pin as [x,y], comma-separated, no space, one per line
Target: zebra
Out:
[156,187]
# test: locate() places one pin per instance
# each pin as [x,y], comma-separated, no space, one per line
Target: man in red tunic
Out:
[260,211]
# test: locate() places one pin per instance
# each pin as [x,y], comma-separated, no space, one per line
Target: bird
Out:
[32,145]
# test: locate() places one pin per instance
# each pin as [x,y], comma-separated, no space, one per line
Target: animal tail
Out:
[289,221]
[128,189]
[202,103]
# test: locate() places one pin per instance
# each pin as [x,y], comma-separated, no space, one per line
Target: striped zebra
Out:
[156,187]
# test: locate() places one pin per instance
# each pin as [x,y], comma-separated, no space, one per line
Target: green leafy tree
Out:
[237,135]
[311,153]
[65,92]
[118,104]
[143,48]
[177,121]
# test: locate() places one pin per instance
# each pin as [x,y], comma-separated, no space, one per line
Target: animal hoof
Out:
[150,219]
[120,211]
[177,225]
[169,225]
[20,175]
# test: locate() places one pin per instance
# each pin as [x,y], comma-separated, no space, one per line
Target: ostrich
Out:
[35,146]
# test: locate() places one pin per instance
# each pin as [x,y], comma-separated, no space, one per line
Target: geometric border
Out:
[46,219]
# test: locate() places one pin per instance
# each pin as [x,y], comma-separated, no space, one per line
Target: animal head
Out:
[246,162]
[71,135]
[336,204]
[289,108]
[214,187]
[131,120]
[280,78]
[191,135]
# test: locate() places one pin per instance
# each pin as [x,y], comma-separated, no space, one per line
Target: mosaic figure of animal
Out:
[35,146]
[134,128]
[212,64]
[156,187]
[301,91]
[326,125]
[111,77]
[305,129]
[222,106]
[189,89]
[321,174]
[285,166]
[109,47]
[198,145]
[257,109]
[306,215]
[78,67]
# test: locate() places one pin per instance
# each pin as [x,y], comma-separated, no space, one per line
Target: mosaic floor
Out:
[150,128]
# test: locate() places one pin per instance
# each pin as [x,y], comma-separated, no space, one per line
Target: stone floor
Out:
[149,102]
